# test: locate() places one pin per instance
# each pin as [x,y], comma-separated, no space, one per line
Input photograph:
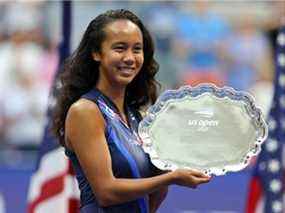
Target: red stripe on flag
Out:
[70,169]
[49,189]
[73,205]
[254,196]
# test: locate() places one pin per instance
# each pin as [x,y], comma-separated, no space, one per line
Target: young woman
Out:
[105,83]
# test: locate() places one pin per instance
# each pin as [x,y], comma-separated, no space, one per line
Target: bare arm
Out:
[85,129]
[156,198]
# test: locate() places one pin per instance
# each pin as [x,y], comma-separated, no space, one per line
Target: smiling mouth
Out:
[126,70]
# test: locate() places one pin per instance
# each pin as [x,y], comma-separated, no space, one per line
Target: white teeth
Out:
[126,69]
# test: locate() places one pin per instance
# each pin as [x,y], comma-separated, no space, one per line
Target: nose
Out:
[129,58]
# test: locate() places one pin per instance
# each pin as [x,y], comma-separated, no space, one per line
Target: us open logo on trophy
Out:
[203,125]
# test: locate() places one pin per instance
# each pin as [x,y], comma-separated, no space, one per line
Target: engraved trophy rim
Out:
[198,91]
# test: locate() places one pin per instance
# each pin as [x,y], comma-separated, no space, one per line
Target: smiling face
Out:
[121,56]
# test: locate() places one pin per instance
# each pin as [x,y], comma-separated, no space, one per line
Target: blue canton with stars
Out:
[269,168]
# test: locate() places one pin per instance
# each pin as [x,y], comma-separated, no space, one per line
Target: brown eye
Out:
[138,49]
[119,49]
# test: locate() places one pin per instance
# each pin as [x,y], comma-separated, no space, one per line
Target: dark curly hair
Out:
[81,72]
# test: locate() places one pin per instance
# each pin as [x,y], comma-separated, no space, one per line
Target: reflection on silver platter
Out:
[210,129]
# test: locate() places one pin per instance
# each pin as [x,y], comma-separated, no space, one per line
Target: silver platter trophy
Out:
[206,128]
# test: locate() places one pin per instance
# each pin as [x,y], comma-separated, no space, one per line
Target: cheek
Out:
[111,60]
[140,60]
[113,56]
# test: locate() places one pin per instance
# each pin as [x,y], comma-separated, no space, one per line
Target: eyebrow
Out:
[125,43]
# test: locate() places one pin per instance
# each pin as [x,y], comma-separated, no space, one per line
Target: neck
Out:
[116,94]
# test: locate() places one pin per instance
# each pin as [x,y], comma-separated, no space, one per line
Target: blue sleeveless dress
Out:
[128,158]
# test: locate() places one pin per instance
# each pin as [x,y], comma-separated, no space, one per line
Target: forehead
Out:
[123,30]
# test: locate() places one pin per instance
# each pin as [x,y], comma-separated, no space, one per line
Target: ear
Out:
[96,56]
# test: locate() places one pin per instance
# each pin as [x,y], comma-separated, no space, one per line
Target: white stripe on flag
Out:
[260,206]
[59,202]
[52,164]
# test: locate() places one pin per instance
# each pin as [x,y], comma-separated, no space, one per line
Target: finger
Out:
[199,180]
[204,180]
[197,173]
[203,175]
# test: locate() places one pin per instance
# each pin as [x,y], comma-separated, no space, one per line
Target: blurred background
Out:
[223,42]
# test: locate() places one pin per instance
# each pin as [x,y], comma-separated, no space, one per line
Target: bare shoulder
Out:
[83,122]
[84,114]
[84,109]
[83,106]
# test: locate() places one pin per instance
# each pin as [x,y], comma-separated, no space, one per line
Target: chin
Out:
[123,81]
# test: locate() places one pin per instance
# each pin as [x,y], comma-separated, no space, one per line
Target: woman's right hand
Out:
[190,178]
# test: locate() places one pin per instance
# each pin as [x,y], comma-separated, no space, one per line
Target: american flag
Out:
[267,183]
[53,187]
